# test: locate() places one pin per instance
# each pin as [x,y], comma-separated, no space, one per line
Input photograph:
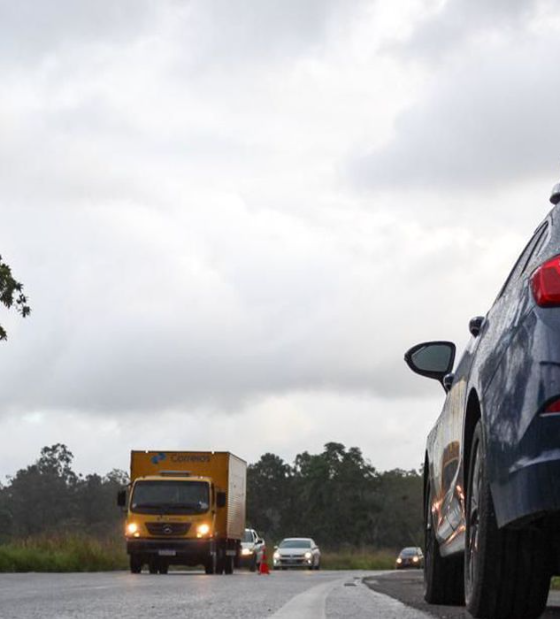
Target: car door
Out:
[486,348]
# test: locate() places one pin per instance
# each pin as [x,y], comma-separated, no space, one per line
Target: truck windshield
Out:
[170,496]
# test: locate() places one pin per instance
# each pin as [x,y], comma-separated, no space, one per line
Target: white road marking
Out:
[308,604]
[360,602]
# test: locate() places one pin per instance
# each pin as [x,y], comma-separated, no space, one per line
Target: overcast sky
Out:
[232,217]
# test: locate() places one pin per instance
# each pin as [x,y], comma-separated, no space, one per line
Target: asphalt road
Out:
[407,586]
[283,594]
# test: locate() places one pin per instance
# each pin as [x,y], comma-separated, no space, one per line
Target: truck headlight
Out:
[202,530]
[132,528]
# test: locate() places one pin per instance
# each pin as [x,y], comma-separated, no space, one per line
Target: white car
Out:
[252,549]
[297,553]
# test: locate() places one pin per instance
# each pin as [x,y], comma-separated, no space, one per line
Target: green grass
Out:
[78,553]
[358,559]
[70,553]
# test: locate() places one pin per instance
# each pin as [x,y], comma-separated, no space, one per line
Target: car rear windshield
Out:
[295,544]
[170,496]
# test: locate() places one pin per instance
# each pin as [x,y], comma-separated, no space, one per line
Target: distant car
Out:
[252,549]
[410,557]
[297,553]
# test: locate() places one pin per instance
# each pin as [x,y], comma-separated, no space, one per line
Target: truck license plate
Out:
[167,552]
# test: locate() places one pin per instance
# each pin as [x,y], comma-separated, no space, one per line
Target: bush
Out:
[358,559]
[73,553]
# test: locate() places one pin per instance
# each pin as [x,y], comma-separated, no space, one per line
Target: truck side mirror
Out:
[221,499]
[121,498]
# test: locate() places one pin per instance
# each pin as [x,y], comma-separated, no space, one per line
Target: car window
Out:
[536,241]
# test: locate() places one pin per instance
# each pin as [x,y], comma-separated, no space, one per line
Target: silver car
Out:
[297,553]
[252,549]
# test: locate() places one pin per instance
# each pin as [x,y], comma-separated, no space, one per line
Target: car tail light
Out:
[552,408]
[545,283]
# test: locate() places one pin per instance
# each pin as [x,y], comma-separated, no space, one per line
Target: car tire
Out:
[506,572]
[443,577]
[135,563]
[253,565]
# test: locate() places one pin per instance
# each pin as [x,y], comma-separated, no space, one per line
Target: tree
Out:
[11,294]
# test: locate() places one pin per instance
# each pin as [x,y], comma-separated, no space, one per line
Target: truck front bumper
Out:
[175,547]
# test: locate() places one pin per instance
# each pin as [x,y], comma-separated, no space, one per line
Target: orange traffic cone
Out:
[263,566]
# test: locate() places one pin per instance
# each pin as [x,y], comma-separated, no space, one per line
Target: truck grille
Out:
[168,529]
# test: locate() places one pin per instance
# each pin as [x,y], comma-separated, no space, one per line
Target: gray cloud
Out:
[30,31]
[461,22]
[488,119]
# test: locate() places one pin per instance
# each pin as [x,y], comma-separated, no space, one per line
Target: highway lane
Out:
[283,594]
[407,586]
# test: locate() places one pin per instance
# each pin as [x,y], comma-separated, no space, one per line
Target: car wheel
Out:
[253,565]
[443,577]
[506,574]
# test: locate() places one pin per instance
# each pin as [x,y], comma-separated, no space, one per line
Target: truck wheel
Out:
[210,565]
[153,567]
[163,567]
[443,577]
[506,571]
[135,563]
[228,564]
[219,563]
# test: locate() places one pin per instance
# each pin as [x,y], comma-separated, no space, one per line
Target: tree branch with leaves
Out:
[11,294]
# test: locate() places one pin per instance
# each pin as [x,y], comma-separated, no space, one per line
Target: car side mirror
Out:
[121,498]
[260,541]
[475,325]
[221,499]
[431,359]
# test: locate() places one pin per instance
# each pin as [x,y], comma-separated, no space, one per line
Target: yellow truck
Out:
[185,508]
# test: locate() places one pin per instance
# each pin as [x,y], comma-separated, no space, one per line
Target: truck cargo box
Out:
[227,471]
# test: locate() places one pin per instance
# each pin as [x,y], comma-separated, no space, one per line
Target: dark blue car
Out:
[492,463]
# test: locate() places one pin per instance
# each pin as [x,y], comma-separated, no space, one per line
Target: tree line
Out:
[336,497]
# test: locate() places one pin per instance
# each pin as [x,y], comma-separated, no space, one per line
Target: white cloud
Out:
[177,198]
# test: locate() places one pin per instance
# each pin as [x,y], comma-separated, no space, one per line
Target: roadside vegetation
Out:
[53,519]
[61,554]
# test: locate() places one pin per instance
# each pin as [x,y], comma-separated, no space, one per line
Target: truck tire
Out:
[163,567]
[210,565]
[443,577]
[153,567]
[506,571]
[135,563]
[228,564]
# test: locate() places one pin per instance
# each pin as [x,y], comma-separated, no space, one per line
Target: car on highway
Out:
[297,553]
[492,460]
[252,550]
[410,557]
